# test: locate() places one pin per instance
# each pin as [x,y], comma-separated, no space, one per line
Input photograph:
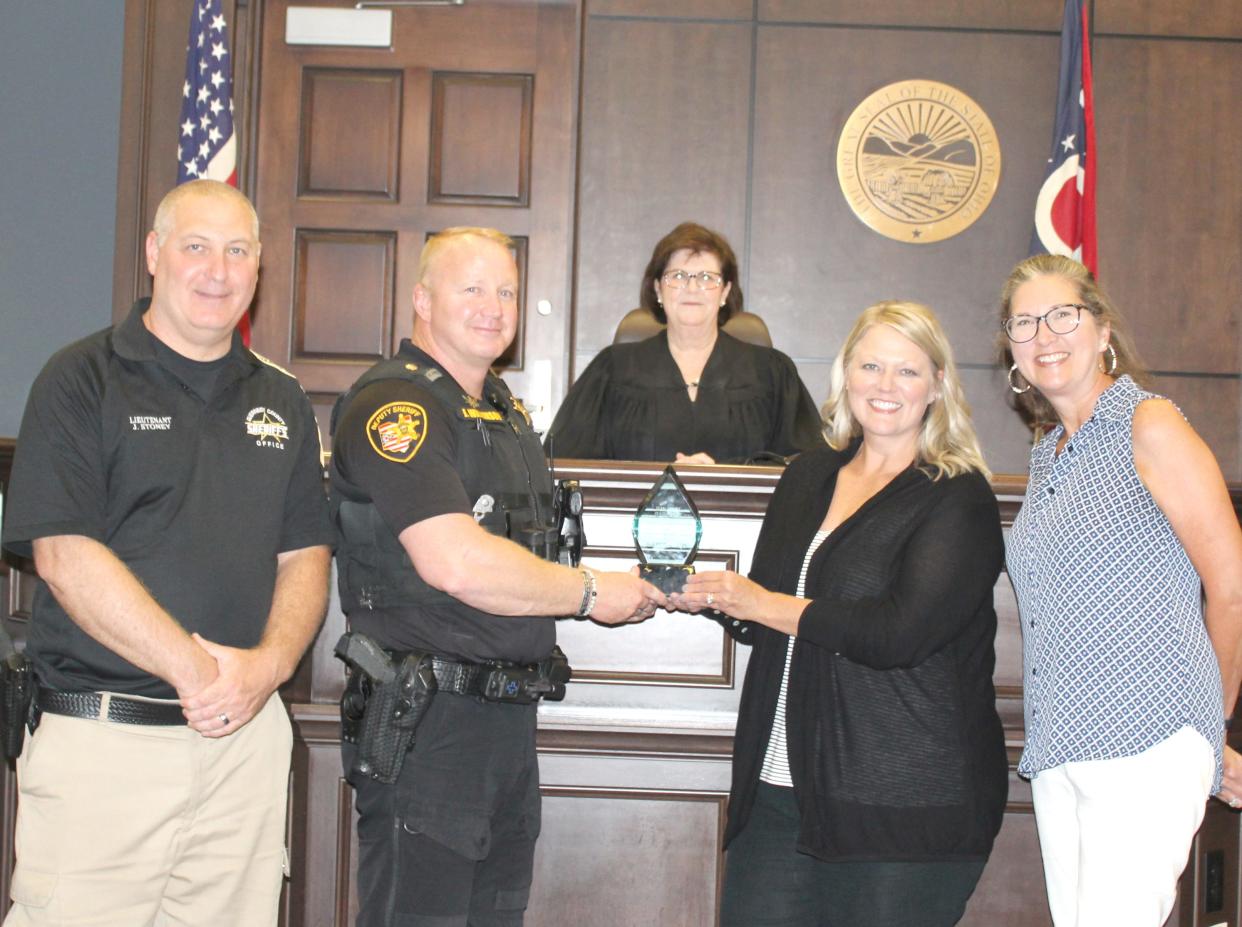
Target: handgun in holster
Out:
[384,701]
[17,685]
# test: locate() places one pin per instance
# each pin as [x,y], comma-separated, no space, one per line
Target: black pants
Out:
[768,883]
[452,842]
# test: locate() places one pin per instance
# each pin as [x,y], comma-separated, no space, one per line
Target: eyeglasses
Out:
[1061,320]
[680,279]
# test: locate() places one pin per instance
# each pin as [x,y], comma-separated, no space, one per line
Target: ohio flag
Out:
[1065,208]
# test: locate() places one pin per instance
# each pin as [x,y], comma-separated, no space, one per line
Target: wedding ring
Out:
[711,600]
[224,719]
[1235,803]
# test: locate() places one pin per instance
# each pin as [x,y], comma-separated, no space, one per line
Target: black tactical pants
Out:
[452,842]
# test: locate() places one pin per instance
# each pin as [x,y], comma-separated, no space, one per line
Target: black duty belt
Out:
[120,708]
[466,678]
[504,682]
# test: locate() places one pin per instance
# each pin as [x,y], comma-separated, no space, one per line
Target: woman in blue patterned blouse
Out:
[1125,560]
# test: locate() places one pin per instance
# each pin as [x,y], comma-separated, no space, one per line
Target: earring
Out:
[1112,358]
[1012,371]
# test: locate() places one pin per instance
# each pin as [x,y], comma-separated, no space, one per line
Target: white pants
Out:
[1115,834]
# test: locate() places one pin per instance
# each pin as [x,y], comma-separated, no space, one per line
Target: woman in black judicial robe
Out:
[692,393]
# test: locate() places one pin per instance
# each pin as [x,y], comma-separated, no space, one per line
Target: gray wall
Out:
[60,67]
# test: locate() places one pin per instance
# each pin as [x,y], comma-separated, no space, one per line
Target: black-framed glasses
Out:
[680,279]
[1061,320]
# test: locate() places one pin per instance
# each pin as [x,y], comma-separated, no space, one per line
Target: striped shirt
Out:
[776,761]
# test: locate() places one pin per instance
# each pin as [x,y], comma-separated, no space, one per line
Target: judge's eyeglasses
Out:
[680,279]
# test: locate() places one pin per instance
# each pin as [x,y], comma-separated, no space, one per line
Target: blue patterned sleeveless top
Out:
[1115,654]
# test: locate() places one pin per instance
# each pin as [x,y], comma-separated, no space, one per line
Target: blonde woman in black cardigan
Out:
[869,769]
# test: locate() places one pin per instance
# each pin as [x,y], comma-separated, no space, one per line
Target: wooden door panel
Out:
[365,152]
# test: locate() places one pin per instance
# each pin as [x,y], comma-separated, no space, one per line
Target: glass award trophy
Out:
[667,529]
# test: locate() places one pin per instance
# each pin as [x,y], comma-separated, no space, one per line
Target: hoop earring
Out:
[1112,357]
[1012,371]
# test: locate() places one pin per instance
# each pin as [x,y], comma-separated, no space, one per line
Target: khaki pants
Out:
[122,825]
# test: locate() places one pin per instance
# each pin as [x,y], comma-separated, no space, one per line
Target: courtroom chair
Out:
[638,324]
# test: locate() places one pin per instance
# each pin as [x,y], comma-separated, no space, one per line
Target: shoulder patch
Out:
[396,430]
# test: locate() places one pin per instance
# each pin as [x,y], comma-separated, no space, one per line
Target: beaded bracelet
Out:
[588,594]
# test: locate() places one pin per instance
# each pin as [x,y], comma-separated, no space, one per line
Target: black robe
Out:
[632,404]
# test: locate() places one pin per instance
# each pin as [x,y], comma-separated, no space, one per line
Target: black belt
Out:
[120,708]
[463,678]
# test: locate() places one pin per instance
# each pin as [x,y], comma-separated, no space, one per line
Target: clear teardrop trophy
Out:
[667,529]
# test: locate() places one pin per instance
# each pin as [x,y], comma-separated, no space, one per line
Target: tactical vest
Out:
[501,465]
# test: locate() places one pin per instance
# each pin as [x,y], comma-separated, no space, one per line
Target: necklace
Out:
[692,384]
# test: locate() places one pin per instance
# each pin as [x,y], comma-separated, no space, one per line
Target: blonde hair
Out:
[947,442]
[439,242]
[1031,402]
[164,213]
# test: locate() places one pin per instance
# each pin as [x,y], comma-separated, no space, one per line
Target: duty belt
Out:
[488,680]
[120,708]
[502,681]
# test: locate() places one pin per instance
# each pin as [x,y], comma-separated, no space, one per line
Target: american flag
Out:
[1065,207]
[206,146]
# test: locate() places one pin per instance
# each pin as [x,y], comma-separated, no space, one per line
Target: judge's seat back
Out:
[639,324]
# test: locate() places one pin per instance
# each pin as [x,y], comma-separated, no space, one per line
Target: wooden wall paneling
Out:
[682,9]
[1170,197]
[350,133]
[587,870]
[548,276]
[1213,406]
[480,138]
[322,844]
[665,116]
[813,260]
[814,265]
[1203,18]
[1005,439]
[343,294]
[913,14]
[666,652]
[491,60]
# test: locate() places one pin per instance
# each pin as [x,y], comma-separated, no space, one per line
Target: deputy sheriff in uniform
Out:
[446,546]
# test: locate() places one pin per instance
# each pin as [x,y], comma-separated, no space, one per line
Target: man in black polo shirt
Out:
[441,492]
[168,485]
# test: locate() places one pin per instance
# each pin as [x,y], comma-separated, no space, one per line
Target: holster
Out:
[380,712]
[16,697]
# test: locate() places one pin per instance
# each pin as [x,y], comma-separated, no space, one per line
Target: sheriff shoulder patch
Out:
[396,430]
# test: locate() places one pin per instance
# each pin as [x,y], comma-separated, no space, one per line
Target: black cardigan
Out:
[895,748]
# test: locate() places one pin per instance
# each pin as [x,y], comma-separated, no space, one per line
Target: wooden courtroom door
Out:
[466,119]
